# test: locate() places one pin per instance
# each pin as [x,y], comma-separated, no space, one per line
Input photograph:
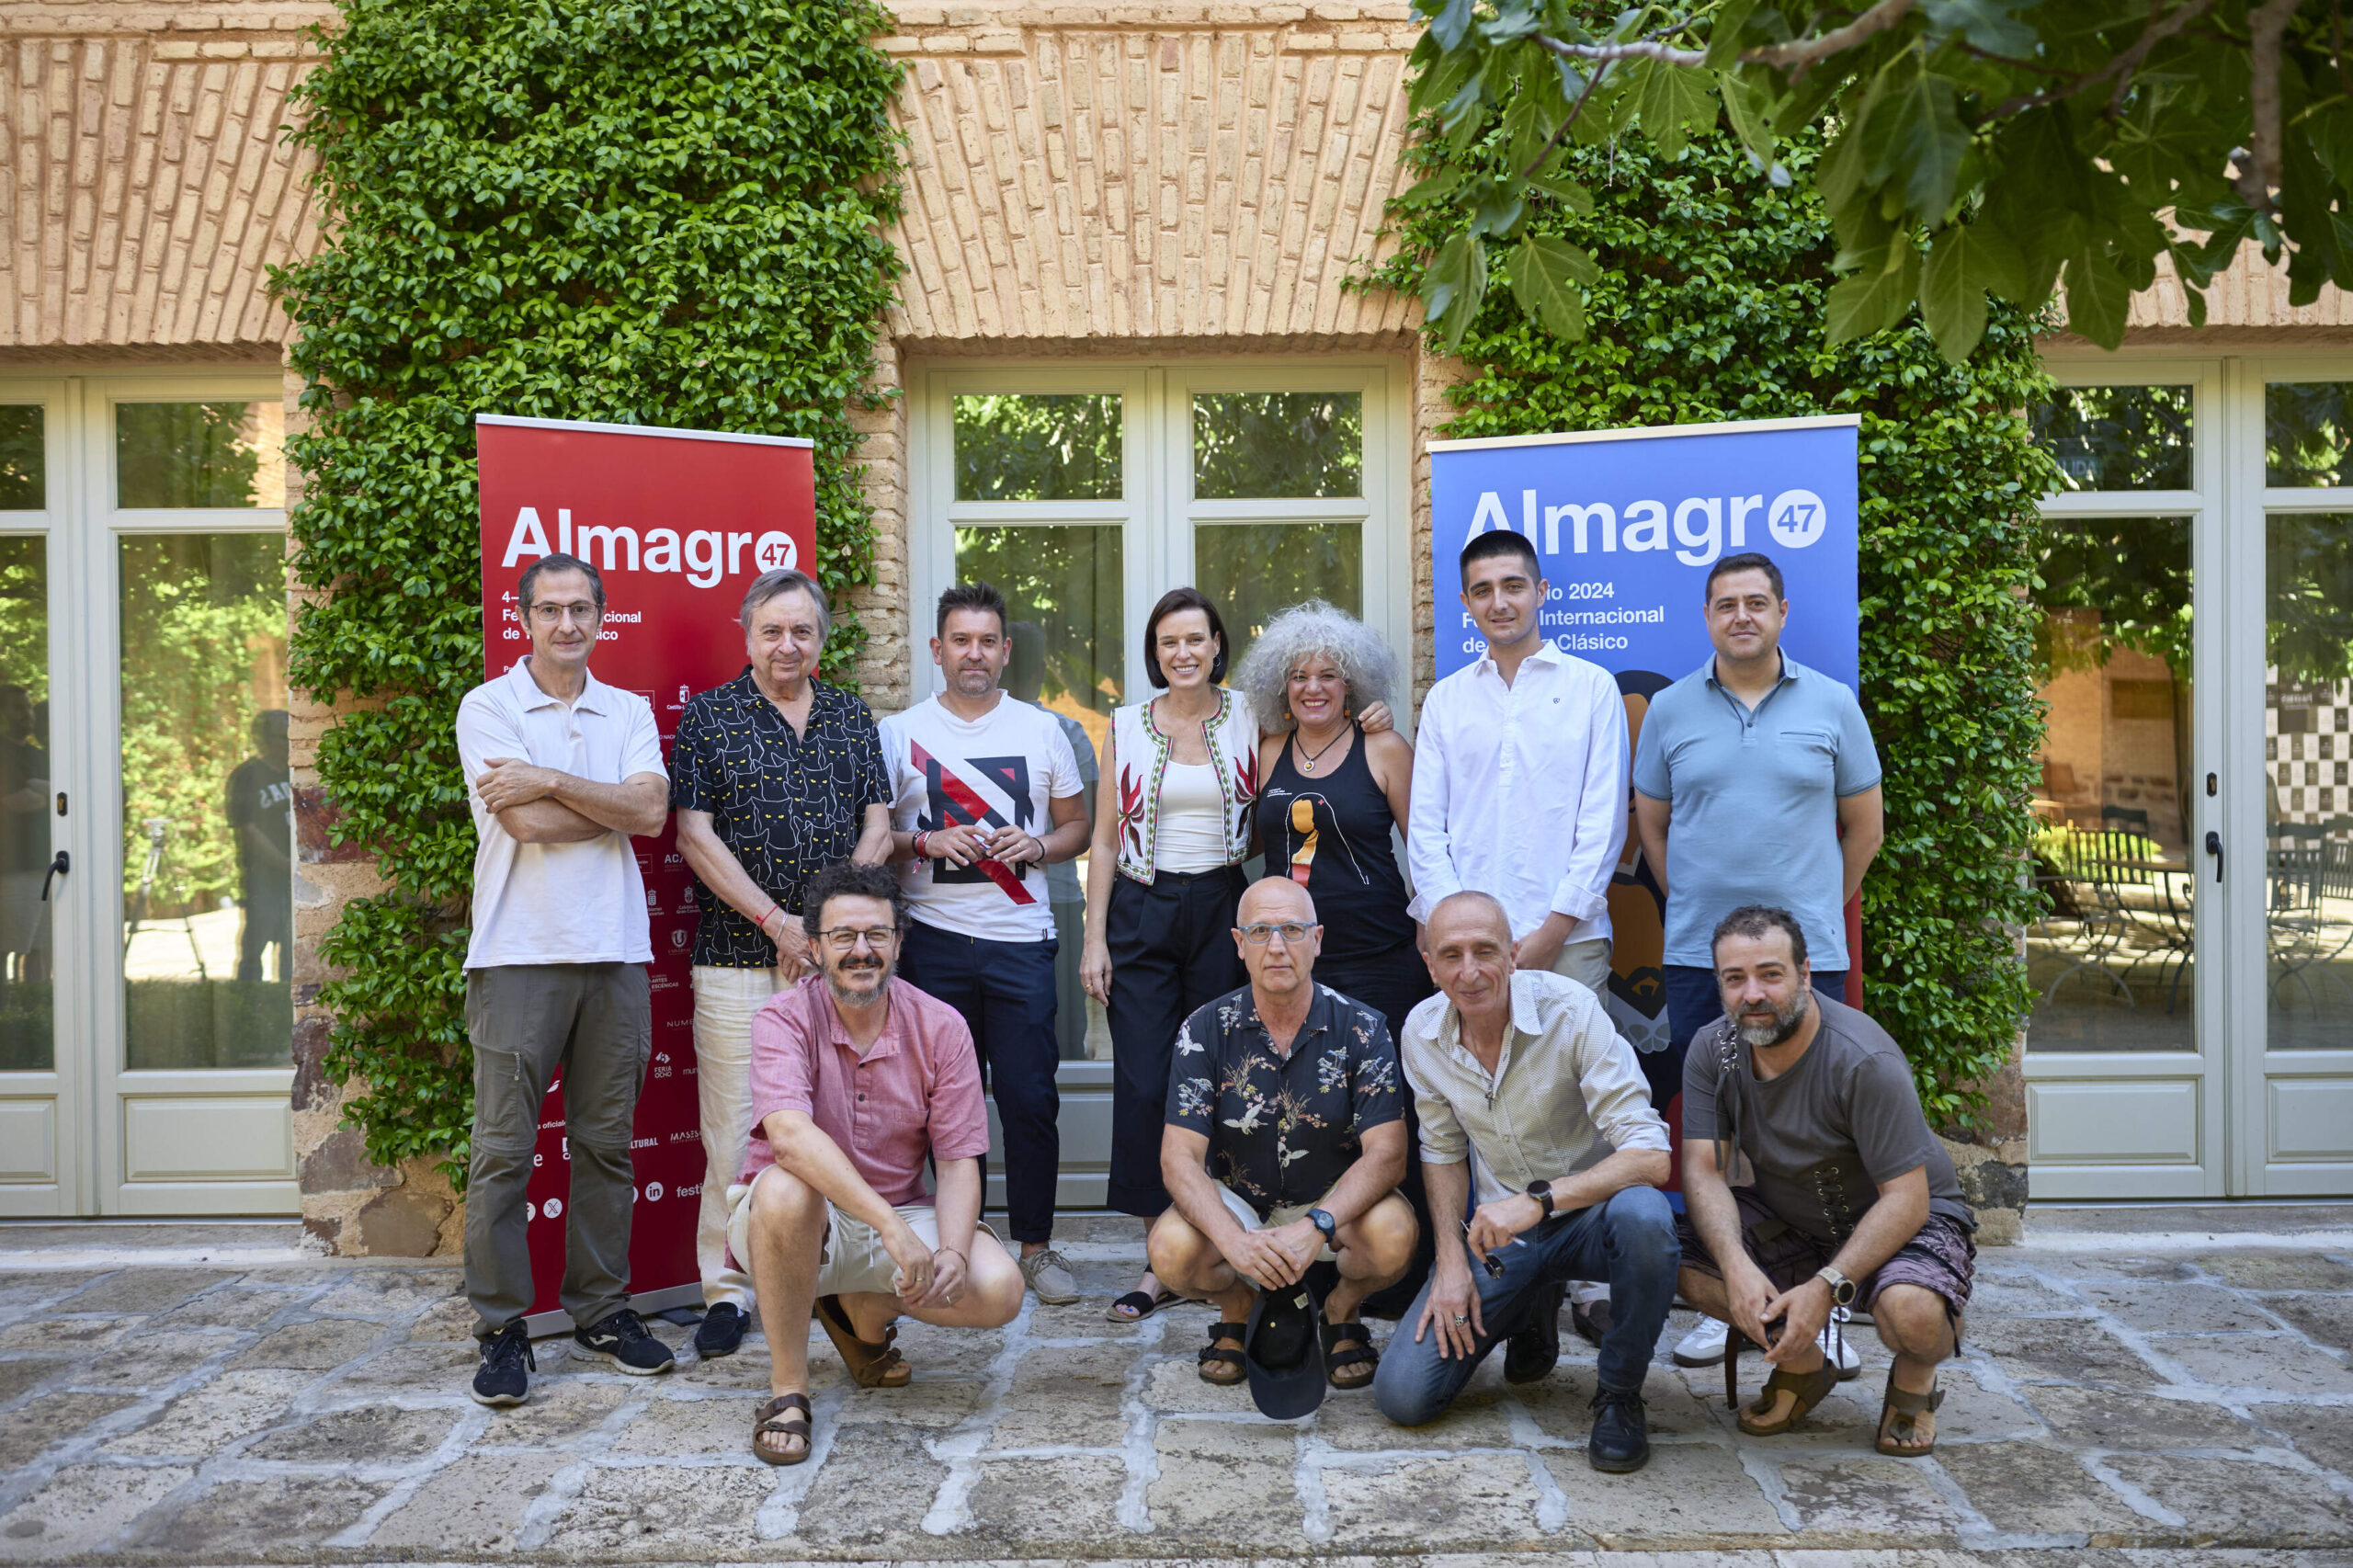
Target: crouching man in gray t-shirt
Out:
[1854,1201]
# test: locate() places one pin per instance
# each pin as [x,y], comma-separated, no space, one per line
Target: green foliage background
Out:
[1709,306]
[636,211]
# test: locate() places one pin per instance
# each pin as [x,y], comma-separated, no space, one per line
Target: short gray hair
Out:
[1315,627]
[785,580]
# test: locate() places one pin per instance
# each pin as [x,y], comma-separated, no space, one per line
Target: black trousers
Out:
[1391,983]
[1172,950]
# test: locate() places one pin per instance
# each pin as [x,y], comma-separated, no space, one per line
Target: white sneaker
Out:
[1841,1351]
[1704,1346]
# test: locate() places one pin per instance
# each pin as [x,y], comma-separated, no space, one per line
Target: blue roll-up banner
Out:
[1626,524]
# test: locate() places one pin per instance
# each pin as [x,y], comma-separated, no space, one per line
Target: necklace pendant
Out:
[1307,768]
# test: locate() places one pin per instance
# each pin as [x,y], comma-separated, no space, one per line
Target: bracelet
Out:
[967,1262]
[921,835]
[761,924]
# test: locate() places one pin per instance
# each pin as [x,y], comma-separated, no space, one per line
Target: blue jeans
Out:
[1629,1241]
[1005,992]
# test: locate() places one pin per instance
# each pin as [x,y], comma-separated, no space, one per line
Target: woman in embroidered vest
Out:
[1164,878]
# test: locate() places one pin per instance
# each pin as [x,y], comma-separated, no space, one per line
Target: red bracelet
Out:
[918,844]
[761,924]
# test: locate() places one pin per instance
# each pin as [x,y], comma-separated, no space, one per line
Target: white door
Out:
[2192,1033]
[1086,492]
[146,1024]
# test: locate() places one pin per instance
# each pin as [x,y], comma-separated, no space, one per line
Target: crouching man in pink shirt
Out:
[857,1077]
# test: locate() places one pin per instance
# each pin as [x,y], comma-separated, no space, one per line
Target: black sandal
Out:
[1139,1306]
[772,1422]
[1347,1344]
[1219,1365]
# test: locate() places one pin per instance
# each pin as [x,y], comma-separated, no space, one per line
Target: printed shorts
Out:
[1941,1259]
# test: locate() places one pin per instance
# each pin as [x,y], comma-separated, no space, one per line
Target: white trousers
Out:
[725,1000]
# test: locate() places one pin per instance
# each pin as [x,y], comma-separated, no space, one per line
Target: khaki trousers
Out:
[725,1000]
[1587,963]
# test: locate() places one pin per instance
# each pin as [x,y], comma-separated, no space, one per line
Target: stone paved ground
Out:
[2189,1392]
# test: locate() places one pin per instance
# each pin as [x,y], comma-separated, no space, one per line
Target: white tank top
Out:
[1192,820]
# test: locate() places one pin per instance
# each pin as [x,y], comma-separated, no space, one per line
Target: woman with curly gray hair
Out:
[1331,795]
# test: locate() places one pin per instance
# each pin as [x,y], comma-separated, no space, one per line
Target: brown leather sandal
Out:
[1899,1421]
[772,1422]
[873,1366]
[1806,1391]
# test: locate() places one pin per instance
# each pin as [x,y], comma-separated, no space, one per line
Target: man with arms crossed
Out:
[858,1079]
[1757,782]
[776,775]
[1523,1070]
[561,770]
[1519,790]
[1855,1202]
[987,794]
[1285,1142]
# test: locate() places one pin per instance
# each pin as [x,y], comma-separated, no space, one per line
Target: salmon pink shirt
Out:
[915,1093]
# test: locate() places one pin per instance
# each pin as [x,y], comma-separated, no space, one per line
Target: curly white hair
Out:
[1300,631]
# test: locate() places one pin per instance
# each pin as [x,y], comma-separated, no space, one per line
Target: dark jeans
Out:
[593,1023]
[1391,983]
[1628,1241]
[1693,1003]
[1172,950]
[1005,992]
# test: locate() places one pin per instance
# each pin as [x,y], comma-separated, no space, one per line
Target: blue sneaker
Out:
[625,1341]
[504,1376]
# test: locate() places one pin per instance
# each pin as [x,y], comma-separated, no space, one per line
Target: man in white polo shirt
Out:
[561,770]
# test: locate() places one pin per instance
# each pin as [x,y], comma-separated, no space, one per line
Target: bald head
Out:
[1276,899]
[1470,953]
[1469,910]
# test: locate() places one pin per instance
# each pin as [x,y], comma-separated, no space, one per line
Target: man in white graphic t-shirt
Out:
[987,794]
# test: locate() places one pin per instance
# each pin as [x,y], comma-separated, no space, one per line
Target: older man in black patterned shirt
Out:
[1285,1142]
[775,777]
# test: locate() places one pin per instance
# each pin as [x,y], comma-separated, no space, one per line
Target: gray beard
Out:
[845,998]
[1763,1036]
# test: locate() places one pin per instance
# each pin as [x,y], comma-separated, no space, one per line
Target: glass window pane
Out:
[2306,428]
[2110,957]
[2117,438]
[2309,861]
[24,463]
[26,1042]
[207,807]
[1252,570]
[1062,586]
[1038,446]
[199,454]
[1255,445]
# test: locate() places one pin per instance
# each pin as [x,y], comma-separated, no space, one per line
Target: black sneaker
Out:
[1621,1443]
[504,1376]
[1535,1346]
[722,1332]
[1591,1319]
[623,1340]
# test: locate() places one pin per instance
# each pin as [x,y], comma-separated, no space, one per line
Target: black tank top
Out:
[1330,829]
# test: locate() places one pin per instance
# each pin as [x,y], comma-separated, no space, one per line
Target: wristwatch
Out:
[1542,1192]
[1842,1290]
[1324,1222]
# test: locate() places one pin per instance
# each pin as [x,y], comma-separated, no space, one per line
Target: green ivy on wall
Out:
[636,211]
[1710,306]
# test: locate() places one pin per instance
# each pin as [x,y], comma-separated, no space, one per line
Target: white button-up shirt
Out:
[1566,1095]
[1519,790]
[538,904]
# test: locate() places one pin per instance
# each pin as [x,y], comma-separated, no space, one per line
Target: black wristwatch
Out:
[1324,1222]
[1542,1192]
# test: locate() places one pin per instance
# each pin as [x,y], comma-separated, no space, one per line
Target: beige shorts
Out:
[1247,1217]
[852,1256]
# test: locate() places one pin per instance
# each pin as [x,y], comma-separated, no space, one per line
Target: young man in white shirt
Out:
[1520,792]
[561,771]
[988,795]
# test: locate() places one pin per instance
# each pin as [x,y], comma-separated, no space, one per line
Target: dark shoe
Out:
[624,1341]
[1621,1443]
[1590,1319]
[504,1376]
[722,1332]
[1530,1353]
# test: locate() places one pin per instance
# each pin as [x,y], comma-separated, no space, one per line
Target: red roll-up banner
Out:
[679,522]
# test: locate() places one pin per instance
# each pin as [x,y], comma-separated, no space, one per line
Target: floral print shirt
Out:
[1283,1128]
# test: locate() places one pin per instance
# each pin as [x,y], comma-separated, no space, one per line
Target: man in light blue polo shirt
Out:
[1755,782]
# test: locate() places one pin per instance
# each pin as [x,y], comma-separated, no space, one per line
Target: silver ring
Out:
[1459,1319]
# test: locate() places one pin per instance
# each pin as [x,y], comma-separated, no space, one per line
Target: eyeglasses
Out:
[844,939]
[1289,930]
[550,615]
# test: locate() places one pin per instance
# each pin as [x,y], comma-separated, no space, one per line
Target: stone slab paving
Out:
[2138,1399]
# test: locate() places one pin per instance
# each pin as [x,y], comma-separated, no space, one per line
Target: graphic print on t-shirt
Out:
[951,802]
